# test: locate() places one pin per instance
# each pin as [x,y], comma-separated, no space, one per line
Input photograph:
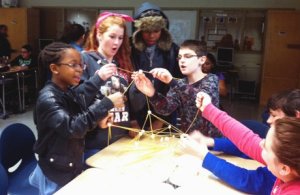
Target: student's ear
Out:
[53,68]
[285,170]
[202,60]
[297,114]
[99,36]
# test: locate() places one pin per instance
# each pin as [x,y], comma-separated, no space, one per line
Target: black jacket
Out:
[161,59]
[5,48]
[62,120]
[165,54]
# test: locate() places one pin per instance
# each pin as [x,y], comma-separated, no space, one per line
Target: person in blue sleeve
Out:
[261,180]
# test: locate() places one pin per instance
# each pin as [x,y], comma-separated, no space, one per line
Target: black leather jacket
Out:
[62,120]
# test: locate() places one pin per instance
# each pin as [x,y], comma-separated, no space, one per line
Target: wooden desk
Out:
[15,73]
[95,181]
[149,167]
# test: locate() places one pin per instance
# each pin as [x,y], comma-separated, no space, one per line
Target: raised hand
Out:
[162,74]
[143,83]
[202,100]
[117,99]
[106,71]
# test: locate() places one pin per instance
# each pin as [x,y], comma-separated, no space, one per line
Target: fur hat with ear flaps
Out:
[148,24]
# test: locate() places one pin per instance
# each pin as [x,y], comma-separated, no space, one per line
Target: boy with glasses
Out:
[26,58]
[191,57]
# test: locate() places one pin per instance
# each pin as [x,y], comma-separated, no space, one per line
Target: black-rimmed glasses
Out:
[186,56]
[74,66]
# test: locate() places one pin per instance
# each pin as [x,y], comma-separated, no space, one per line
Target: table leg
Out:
[4,114]
[36,82]
[23,91]
[19,92]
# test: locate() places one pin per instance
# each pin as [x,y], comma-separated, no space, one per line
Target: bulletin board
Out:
[183,24]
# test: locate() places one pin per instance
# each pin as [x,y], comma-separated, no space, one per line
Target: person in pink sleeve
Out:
[280,151]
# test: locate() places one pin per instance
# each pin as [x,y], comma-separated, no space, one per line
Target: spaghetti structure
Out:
[168,130]
[148,149]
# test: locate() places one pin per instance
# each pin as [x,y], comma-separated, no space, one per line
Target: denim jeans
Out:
[40,181]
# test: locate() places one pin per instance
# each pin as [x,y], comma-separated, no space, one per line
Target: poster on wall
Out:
[84,17]
[182,24]
[232,20]
[9,3]
[220,19]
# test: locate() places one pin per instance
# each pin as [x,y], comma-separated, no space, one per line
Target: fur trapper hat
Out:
[149,24]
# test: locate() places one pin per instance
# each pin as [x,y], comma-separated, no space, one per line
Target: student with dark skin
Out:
[209,67]
[152,47]
[64,113]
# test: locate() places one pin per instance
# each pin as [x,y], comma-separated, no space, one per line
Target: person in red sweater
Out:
[280,151]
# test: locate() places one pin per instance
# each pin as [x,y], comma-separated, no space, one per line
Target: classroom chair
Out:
[17,158]
[3,181]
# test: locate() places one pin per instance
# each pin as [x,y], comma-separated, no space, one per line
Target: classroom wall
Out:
[248,64]
[295,4]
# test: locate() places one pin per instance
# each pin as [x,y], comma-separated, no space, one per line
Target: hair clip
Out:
[105,15]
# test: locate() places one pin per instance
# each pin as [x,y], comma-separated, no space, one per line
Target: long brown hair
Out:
[123,54]
[286,142]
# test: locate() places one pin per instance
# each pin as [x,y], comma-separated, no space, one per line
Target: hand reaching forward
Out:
[162,74]
[117,99]
[106,71]
[190,146]
[202,100]
[199,137]
[143,83]
[104,122]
